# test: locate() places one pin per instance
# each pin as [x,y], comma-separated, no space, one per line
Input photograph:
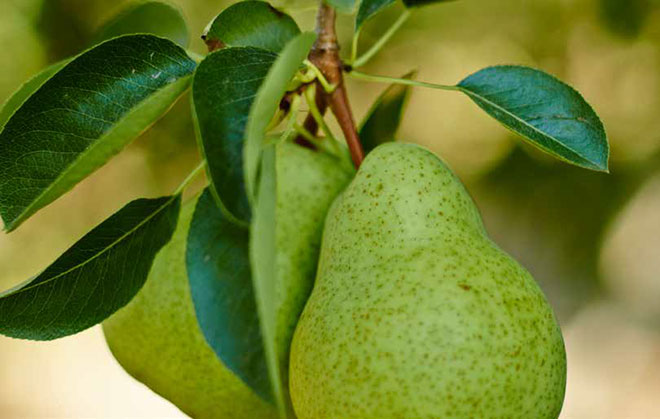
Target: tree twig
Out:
[325,56]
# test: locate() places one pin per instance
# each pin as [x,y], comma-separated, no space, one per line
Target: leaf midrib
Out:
[514,116]
[97,255]
[97,143]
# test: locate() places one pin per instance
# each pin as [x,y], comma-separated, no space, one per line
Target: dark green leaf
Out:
[84,115]
[626,17]
[544,110]
[151,17]
[25,91]
[420,3]
[368,8]
[251,24]
[268,99]
[263,261]
[218,264]
[224,87]
[97,276]
[385,116]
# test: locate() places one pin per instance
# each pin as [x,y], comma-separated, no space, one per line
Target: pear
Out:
[157,340]
[307,182]
[416,313]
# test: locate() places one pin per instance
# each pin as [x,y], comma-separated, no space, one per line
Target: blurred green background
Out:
[591,240]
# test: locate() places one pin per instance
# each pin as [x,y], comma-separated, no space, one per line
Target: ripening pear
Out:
[307,182]
[416,313]
[157,340]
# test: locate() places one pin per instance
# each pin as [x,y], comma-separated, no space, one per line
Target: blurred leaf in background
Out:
[552,217]
[153,17]
[21,53]
[625,18]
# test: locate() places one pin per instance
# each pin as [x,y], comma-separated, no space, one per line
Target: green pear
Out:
[416,313]
[307,182]
[157,340]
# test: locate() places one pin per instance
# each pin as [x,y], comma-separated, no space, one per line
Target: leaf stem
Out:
[375,48]
[191,176]
[306,134]
[329,88]
[354,45]
[310,96]
[293,115]
[318,143]
[395,80]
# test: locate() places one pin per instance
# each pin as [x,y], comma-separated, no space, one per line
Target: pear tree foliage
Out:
[244,258]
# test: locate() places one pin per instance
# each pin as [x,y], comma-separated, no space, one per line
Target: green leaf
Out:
[263,260]
[251,24]
[544,110]
[224,87]
[25,91]
[626,18]
[152,17]
[86,113]
[419,3]
[97,276]
[343,6]
[384,118]
[218,263]
[268,99]
[369,8]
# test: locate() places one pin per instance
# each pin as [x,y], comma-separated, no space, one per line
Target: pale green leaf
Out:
[267,101]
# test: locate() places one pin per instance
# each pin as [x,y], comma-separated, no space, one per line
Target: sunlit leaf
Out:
[251,24]
[218,264]
[152,17]
[97,276]
[263,257]
[384,118]
[224,88]
[86,113]
[550,114]
[268,99]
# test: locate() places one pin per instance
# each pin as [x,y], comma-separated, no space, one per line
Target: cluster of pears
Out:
[414,311]
[156,337]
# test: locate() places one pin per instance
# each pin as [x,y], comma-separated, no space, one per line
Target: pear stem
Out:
[325,56]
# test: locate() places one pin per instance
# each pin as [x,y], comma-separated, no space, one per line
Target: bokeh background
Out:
[591,240]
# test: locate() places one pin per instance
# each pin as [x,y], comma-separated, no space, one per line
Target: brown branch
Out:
[325,56]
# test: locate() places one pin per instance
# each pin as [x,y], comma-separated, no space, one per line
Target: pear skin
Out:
[416,313]
[157,340]
[308,181]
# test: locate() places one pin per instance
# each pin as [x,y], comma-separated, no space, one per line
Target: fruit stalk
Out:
[325,56]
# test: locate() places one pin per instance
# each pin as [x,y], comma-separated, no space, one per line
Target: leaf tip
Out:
[9,225]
